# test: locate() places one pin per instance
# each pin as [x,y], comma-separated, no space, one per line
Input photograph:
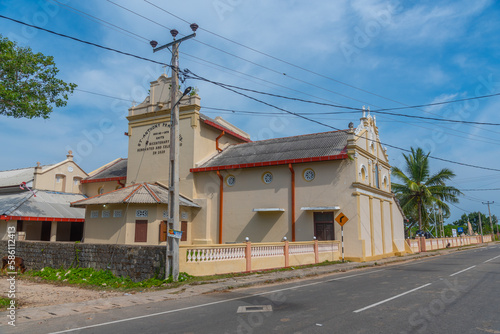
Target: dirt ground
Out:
[34,294]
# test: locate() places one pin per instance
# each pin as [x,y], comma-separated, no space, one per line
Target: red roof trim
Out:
[2,217]
[80,200]
[118,178]
[271,163]
[229,132]
[133,192]
[152,193]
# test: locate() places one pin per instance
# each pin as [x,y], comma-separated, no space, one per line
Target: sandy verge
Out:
[36,294]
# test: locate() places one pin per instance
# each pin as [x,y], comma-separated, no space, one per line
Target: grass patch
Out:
[99,278]
[104,279]
[4,303]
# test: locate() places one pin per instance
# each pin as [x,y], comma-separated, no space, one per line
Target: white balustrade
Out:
[267,251]
[300,249]
[328,247]
[215,254]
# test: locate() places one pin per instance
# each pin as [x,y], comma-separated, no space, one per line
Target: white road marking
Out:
[491,259]
[461,271]
[208,304]
[344,277]
[388,299]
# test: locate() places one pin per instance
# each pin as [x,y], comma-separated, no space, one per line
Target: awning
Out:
[268,210]
[320,208]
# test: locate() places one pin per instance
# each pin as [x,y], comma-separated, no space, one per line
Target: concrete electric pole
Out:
[172,257]
[481,227]
[489,212]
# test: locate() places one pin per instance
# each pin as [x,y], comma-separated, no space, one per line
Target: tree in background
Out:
[473,217]
[28,84]
[420,190]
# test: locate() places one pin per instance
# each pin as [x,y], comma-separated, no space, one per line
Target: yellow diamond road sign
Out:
[341,219]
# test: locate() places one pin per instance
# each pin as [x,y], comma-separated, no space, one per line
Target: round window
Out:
[267,177]
[309,175]
[230,180]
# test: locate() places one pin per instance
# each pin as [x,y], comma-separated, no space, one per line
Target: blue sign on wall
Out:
[460,230]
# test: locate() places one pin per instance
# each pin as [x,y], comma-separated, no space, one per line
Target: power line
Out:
[278,59]
[98,20]
[438,119]
[266,67]
[104,95]
[191,75]
[260,113]
[310,71]
[86,42]
[233,111]
[439,103]
[274,95]
[376,111]
[231,54]
[133,12]
[459,208]
[479,189]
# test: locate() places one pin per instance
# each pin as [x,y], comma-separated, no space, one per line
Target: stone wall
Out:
[137,262]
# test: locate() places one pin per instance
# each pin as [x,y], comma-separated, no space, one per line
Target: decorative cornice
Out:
[372,189]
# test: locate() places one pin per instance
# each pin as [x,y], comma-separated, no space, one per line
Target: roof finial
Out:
[364,112]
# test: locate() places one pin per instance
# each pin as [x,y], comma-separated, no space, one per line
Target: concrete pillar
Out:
[316,251]
[248,256]
[287,255]
[53,231]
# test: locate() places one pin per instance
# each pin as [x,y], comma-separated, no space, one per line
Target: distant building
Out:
[232,188]
[36,200]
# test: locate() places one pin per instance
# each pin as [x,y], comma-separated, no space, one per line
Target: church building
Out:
[233,188]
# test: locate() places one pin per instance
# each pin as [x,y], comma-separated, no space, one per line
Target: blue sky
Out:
[382,54]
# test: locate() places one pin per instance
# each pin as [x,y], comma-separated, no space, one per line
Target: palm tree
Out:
[419,189]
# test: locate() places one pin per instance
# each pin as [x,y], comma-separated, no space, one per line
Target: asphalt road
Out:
[455,293]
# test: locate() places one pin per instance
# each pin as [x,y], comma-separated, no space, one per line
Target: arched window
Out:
[362,173]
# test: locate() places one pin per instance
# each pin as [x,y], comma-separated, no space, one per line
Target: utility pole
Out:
[172,256]
[441,223]
[489,212]
[481,226]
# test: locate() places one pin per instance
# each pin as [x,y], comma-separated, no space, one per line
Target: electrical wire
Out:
[375,111]
[188,73]
[402,115]
[191,75]
[98,20]
[308,70]
[459,208]
[86,42]
[484,189]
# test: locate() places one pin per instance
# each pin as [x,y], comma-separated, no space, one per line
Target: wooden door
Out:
[323,226]
[141,231]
